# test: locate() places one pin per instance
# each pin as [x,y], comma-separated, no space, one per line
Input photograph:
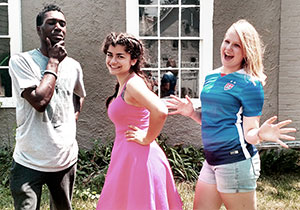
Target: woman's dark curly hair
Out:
[132,46]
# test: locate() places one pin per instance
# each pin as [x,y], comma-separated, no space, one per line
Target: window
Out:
[10,43]
[178,37]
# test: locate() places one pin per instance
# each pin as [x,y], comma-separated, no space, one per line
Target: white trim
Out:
[239,128]
[132,17]
[7,102]
[15,35]
[206,31]
[15,27]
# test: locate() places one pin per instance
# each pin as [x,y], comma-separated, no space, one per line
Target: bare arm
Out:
[138,93]
[254,133]
[40,96]
[184,108]
[78,102]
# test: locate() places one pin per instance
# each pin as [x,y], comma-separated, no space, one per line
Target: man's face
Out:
[53,27]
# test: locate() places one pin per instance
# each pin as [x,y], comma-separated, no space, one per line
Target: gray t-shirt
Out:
[45,141]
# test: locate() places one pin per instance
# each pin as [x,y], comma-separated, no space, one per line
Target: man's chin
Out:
[55,41]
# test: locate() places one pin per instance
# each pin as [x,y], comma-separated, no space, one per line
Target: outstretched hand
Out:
[137,135]
[57,51]
[180,106]
[275,132]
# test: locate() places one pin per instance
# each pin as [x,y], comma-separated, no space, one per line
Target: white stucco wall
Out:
[289,71]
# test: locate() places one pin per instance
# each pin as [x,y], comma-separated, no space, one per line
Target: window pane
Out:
[166,2]
[169,52]
[169,21]
[190,21]
[3,1]
[148,2]
[148,21]
[190,83]
[3,20]
[168,83]
[4,51]
[189,53]
[5,83]
[153,79]
[191,2]
[151,53]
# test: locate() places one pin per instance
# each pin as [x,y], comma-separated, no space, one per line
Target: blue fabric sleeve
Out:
[252,99]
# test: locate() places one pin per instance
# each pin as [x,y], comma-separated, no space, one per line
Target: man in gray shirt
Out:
[45,81]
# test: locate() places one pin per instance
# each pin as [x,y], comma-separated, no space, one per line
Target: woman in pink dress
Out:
[139,175]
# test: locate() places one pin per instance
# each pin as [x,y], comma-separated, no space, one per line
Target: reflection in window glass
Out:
[168,83]
[166,2]
[153,79]
[169,21]
[190,21]
[172,45]
[190,83]
[148,21]
[4,51]
[169,51]
[5,83]
[148,2]
[3,20]
[190,53]
[191,2]
[151,47]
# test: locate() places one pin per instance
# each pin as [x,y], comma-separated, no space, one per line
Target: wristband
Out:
[50,72]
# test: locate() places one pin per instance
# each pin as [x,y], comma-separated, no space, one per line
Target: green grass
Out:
[278,186]
[273,193]
[279,192]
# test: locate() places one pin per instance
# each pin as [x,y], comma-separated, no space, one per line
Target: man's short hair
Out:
[40,17]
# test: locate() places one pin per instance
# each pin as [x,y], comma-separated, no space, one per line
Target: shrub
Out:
[92,166]
[278,161]
[186,161]
[5,164]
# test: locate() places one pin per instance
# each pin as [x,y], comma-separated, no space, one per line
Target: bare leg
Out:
[206,197]
[239,201]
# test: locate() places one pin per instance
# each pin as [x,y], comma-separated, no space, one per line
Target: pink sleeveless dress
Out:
[139,177]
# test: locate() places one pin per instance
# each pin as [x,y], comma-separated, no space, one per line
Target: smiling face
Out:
[118,61]
[53,27]
[231,51]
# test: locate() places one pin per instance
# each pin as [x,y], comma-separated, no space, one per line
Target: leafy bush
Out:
[186,161]
[5,164]
[278,161]
[92,166]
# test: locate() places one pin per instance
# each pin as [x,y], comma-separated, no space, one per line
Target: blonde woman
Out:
[232,101]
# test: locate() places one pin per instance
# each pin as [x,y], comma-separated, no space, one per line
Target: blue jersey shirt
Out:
[225,100]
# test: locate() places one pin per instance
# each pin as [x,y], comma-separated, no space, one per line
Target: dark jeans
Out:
[26,187]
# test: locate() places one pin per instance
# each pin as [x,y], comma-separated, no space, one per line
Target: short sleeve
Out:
[165,79]
[252,99]
[79,89]
[22,74]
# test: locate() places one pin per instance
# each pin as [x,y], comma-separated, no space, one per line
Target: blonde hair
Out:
[253,49]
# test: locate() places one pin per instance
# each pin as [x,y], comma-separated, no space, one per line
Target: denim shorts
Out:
[235,177]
